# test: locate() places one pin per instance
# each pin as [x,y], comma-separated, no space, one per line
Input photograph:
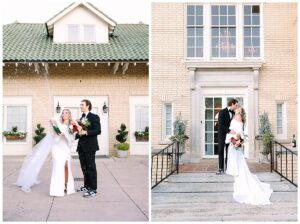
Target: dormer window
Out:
[80,23]
[89,33]
[73,33]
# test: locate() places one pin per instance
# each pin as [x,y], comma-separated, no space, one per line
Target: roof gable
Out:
[94,10]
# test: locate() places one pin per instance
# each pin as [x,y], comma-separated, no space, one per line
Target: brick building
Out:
[204,54]
[79,53]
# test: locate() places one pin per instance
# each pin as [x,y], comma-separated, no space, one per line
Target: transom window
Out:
[195,31]
[251,31]
[223,31]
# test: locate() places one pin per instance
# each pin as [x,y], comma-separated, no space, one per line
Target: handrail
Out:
[275,154]
[164,163]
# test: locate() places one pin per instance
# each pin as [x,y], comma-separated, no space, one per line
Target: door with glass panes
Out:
[212,106]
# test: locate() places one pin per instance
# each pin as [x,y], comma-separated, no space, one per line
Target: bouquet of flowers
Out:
[56,128]
[73,127]
[233,138]
[84,123]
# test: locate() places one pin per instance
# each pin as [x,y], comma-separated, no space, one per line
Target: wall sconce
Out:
[105,108]
[58,108]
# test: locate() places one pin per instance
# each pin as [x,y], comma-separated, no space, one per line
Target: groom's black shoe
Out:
[82,189]
[90,194]
[219,172]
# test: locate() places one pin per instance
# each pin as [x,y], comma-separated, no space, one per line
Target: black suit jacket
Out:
[89,142]
[224,123]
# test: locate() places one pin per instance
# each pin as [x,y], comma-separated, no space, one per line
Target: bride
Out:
[60,145]
[247,187]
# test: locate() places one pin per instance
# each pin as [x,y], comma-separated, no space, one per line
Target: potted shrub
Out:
[122,146]
[142,136]
[14,134]
[39,134]
[179,134]
[265,137]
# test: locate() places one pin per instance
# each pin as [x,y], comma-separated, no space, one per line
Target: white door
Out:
[212,106]
[139,119]
[73,104]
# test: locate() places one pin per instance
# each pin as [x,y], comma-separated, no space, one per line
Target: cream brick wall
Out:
[277,80]
[78,80]
[171,82]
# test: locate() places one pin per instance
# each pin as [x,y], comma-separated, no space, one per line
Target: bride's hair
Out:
[61,116]
[243,114]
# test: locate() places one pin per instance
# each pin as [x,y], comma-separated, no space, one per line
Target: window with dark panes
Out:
[223,31]
[194,31]
[251,31]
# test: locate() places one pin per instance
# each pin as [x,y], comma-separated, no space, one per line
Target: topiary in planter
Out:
[122,136]
[122,147]
[39,133]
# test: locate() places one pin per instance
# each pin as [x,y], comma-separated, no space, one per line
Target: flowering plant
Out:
[73,127]
[15,133]
[84,123]
[233,138]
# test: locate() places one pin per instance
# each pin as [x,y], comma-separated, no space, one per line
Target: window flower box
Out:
[14,134]
[142,136]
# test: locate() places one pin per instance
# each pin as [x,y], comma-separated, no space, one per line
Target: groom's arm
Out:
[96,127]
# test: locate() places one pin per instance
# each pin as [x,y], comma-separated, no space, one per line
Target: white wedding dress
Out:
[247,187]
[60,147]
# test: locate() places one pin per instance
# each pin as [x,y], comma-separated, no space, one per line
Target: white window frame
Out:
[185,31]
[94,34]
[239,34]
[18,101]
[164,128]
[68,37]
[282,136]
[210,34]
[141,105]
[260,30]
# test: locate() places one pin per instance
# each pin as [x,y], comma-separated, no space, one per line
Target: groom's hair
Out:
[232,101]
[88,103]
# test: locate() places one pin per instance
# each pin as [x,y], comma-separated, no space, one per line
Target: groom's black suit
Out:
[87,147]
[223,128]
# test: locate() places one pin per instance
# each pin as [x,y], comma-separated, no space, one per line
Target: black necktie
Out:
[83,115]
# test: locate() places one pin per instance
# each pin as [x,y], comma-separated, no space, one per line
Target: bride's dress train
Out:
[61,153]
[247,187]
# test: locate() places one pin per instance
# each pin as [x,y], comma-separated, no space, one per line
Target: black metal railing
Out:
[282,162]
[164,163]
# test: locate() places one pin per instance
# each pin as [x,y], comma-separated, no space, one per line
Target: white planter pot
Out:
[122,153]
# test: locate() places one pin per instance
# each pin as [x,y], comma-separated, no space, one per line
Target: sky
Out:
[122,11]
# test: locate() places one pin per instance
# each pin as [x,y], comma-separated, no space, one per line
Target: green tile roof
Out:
[30,42]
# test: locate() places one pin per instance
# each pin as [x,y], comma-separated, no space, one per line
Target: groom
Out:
[224,119]
[87,147]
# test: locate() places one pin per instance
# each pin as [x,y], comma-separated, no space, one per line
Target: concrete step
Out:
[213,178]
[225,211]
[180,187]
[221,218]
[217,197]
